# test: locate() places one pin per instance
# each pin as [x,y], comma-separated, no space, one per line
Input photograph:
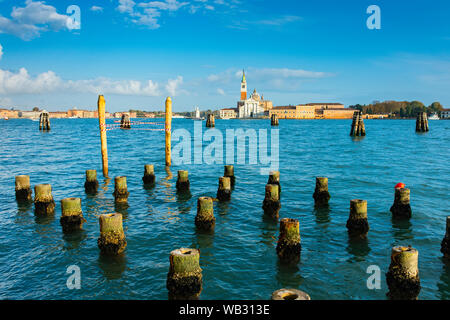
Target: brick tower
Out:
[243,87]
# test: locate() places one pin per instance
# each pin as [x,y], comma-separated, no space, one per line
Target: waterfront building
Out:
[57,114]
[293,112]
[335,113]
[75,113]
[253,106]
[445,114]
[228,113]
[8,114]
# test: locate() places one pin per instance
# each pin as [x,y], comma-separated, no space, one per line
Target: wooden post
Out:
[422,122]
[183,183]
[168,125]
[290,294]
[205,220]
[357,223]
[125,121]
[210,121]
[289,246]
[149,174]
[43,200]
[102,125]
[112,238]
[401,207]
[71,215]
[271,204]
[357,128]
[91,183]
[274,120]
[445,244]
[224,190]
[229,172]
[321,195]
[23,189]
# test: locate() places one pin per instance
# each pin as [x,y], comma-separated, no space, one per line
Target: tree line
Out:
[402,109]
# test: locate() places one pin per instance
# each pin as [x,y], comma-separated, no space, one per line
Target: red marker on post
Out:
[399,185]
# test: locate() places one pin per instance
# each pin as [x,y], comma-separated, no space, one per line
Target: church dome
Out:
[255,95]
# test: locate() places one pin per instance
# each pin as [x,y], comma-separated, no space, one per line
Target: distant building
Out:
[293,112]
[31,114]
[5,113]
[251,107]
[335,113]
[228,113]
[57,114]
[445,114]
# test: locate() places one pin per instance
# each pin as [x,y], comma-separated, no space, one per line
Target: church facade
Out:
[253,106]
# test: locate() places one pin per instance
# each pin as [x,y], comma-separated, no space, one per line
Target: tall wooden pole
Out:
[168,130]
[102,125]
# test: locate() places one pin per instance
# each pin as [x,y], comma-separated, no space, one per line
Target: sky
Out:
[138,52]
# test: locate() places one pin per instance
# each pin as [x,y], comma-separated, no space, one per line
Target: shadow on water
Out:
[402,229]
[357,138]
[74,239]
[444,281]
[44,219]
[269,228]
[288,275]
[105,184]
[122,208]
[223,207]
[358,248]
[322,214]
[112,266]
[183,202]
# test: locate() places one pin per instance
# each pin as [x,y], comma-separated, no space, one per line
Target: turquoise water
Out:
[239,260]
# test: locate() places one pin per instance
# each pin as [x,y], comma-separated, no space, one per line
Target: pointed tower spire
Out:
[243,76]
[243,86]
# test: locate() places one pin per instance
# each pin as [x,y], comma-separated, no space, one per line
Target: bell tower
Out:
[243,87]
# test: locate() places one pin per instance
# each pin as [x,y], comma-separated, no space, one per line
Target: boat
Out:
[178,117]
[433,116]
[5,118]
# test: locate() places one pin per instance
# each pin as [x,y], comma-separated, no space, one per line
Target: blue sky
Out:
[138,52]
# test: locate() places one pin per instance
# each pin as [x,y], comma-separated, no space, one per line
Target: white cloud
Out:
[171,5]
[221,91]
[126,6]
[1,51]
[96,9]
[29,21]
[173,84]
[22,82]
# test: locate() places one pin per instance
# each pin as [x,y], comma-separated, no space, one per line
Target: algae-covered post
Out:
[290,294]
[357,223]
[43,199]
[403,276]
[91,183]
[205,220]
[422,122]
[149,174]
[22,187]
[112,238]
[224,190]
[168,129]
[102,125]
[184,280]
[357,128]
[289,246]
[401,207]
[229,172]
[71,215]
[271,204]
[44,121]
[210,121]
[183,183]
[125,121]
[321,195]
[120,189]
[445,244]
[274,178]
[274,120]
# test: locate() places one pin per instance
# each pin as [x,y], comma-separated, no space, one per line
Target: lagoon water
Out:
[239,260]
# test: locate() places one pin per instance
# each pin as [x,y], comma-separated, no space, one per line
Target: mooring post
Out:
[274,120]
[401,207]
[23,188]
[445,245]
[91,183]
[271,204]
[210,121]
[184,280]
[224,190]
[43,199]
[149,174]
[112,238]
[183,181]
[102,125]
[168,129]
[290,294]
[357,128]
[274,178]
[357,223]
[71,215]
[403,276]
[229,172]
[422,122]
[44,121]
[289,246]
[205,220]
[120,189]
[321,195]
[125,121]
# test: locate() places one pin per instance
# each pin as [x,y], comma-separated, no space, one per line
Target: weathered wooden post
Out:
[183,183]
[321,195]
[149,174]
[102,125]
[274,120]
[422,122]
[44,121]
[290,294]
[210,121]
[120,189]
[445,245]
[112,238]
[43,199]
[357,223]
[22,187]
[401,207]
[274,178]
[71,215]
[357,128]
[205,220]
[403,275]
[224,190]
[91,183]
[125,121]
[271,204]
[184,280]
[229,172]
[289,246]
[168,129]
